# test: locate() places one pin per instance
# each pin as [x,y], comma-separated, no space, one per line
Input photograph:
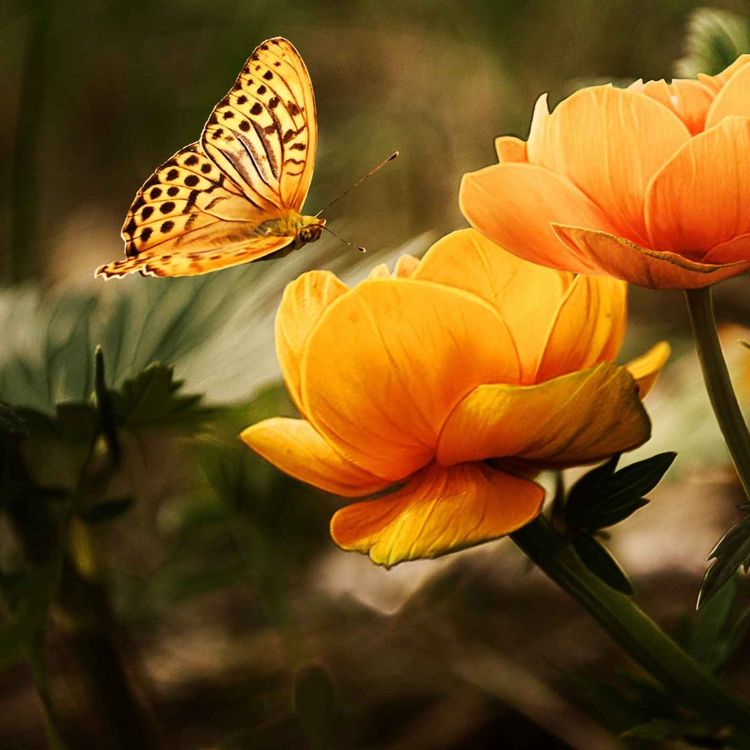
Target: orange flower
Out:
[419,378]
[650,184]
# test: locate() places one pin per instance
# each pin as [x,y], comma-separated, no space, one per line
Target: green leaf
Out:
[604,497]
[316,703]
[105,408]
[715,39]
[106,511]
[601,563]
[731,552]
[153,398]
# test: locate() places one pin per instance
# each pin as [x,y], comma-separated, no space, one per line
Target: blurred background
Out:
[142,545]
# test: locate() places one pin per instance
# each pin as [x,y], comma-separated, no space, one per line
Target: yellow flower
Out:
[458,378]
[650,184]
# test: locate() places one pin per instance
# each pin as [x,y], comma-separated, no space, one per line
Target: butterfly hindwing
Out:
[263,133]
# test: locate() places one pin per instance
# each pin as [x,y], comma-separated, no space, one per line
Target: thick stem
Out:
[718,383]
[634,631]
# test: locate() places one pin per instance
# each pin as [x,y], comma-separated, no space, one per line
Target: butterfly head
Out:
[309,229]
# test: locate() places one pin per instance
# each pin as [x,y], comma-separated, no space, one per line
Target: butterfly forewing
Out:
[264,132]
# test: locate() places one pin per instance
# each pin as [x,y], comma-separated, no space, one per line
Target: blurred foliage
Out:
[715,39]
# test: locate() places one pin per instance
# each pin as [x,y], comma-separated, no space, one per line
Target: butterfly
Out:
[236,194]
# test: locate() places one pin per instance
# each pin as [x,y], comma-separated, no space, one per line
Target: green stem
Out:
[718,383]
[634,631]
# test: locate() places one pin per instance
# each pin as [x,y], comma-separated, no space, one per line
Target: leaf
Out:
[604,497]
[105,408]
[601,563]
[316,704]
[715,39]
[106,511]
[153,398]
[11,423]
[731,552]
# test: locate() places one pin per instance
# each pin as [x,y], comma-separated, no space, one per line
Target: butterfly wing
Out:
[264,133]
[254,162]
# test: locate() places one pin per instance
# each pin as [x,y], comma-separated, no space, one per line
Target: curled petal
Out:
[304,301]
[571,420]
[295,447]
[610,142]
[588,328]
[510,149]
[390,359]
[701,197]
[646,368]
[527,296]
[648,268]
[733,251]
[439,510]
[514,205]
[537,131]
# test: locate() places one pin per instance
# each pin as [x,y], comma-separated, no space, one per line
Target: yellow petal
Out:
[733,99]
[527,296]
[514,205]
[295,447]
[439,510]
[304,301]
[379,272]
[510,148]
[388,362]
[610,142]
[648,268]
[405,266]
[588,328]
[701,197]
[646,368]
[571,420]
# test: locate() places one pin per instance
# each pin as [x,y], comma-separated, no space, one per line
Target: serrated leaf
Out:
[730,553]
[715,39]
[106,511]
[316,704]
[601,563]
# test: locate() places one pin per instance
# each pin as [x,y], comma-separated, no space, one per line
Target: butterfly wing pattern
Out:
[234,195]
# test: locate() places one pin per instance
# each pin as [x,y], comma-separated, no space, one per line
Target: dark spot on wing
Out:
[256,109]
[167,207]
[268,75]
[172,174]
[191,180]
[155,193]
[191,160]
[172,191]
[167,226]
[147,212]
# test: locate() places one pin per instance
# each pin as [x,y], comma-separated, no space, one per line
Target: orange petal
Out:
[388,362]
[405,266]
[736,250]
[716,82]
[701,197]
[646,368]
[510,148]
[610,142]
[379,272]
[439,510]
[295,447]
[527,296]
[588,328]
[649,268]
[571,420]
[514,204]
[537,129]
[304,301]
[733,99]
[689,100]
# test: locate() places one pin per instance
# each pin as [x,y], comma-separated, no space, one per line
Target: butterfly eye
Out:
[305,235]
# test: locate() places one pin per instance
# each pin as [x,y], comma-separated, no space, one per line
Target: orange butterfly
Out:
[236,194]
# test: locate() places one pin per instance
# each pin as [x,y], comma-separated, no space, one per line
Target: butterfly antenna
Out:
[376,168]
[346,242]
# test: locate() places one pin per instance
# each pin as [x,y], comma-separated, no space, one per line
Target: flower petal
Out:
[379,272]
[715,83]
[388,362]
[514,204]
[510,148]
[304,301]
[733,99]
[646,368]
[295,447]
[689,100]
[648,268]
[732,251]
[610,142]
[439,510]
[571,420]
[527,296]
[588,328]
[405,266]
[701,197]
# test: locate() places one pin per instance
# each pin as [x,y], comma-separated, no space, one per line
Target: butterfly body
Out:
[236,194]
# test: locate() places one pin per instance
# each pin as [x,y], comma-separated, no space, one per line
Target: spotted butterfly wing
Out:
[235,195]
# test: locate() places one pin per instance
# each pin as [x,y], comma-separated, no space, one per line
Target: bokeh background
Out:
[238,622]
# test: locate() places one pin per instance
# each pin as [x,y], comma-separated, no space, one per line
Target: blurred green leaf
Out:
[316,703]
[715,38]
[730,553]
[601,563]
[106,511]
